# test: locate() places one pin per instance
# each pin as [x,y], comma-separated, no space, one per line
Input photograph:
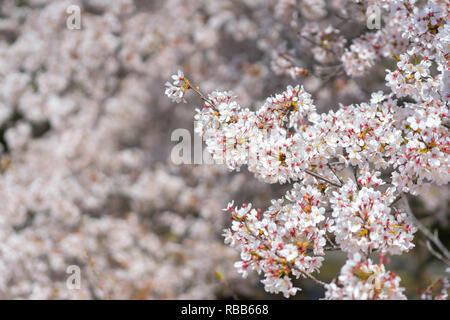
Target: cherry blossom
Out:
[394,144]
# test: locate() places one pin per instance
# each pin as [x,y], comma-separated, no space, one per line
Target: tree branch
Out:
[318,176]
[432,237]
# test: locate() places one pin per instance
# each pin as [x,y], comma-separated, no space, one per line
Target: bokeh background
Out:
[86,177]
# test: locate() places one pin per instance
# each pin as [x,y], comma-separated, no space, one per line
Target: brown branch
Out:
[196,90]
[318,176]
[355,174]
[333,245]
[432,237]
[335,174]
[310,276]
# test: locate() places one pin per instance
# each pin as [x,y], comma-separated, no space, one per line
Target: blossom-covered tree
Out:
[353,168]
[86,178]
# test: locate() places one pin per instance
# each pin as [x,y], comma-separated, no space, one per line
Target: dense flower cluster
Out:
[261,139]
[286,239]
[365,281]
[364,222]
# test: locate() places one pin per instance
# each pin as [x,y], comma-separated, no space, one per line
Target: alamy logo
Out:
[73,21]
[73,281]
[373,15]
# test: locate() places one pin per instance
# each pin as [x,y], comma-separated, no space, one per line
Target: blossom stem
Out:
[196,90]
[310,276]
[318,176]
[333,245]
[355,174]
[432,237]
[335,174]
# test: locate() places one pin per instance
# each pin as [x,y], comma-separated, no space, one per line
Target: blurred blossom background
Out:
[86,176]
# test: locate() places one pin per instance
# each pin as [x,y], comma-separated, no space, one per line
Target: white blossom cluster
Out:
[286,239]
[174,90]
[364,221]
[259,139]
[365,281]
[396,143]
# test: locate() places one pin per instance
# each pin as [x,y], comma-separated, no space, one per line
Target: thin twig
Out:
[335,174]
[196,90]
[307,275]
[333,245]
[355,174]
[318,176]
[310,276]
[315,43]
[433,252]
[433,238]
